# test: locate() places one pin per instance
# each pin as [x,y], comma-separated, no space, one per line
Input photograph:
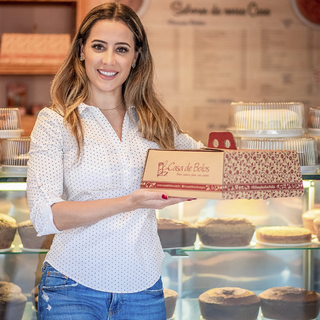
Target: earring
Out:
[81,58]
[133,64]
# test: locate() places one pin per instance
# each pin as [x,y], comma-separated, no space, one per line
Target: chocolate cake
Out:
[288,303]
[12,301]
[232,232]
[176,233]
[170,299]
[229,303]
[30,239]
[8,228]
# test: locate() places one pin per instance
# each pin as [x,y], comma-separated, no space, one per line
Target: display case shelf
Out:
[177,253]
[188,309]
[180,252]
[187,306]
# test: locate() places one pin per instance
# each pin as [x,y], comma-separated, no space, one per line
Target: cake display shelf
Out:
[254,246]
[18,248]
[188,309]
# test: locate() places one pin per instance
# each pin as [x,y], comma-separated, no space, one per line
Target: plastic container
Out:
[15,155]
[267,120]
[10,123]
[314,122]
[306,148]
[314,126]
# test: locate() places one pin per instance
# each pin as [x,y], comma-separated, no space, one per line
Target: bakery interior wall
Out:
[207,53]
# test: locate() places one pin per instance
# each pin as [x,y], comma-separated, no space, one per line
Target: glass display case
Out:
[193,270]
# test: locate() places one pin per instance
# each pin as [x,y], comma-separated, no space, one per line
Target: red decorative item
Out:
[221,140]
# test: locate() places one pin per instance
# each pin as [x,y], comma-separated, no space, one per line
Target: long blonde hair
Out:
[70,85]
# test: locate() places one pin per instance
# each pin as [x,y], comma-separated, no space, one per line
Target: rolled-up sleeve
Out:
[45,171]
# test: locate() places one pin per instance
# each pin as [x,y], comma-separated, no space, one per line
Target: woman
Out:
[85,166]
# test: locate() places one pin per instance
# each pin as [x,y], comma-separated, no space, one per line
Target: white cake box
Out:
[223,174]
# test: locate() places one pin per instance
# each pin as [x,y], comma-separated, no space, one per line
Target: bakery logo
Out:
[165,167]
[162,170]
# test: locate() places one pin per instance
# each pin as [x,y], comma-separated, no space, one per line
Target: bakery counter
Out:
[188,309]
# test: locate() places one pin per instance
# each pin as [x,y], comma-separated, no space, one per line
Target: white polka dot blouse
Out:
[121,253]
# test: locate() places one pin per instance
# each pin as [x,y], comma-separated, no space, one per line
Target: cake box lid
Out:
[214,173]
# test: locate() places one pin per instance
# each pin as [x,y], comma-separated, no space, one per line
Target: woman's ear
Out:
[81,52]
[136,54]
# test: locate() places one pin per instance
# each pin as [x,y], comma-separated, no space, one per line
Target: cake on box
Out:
[224,173]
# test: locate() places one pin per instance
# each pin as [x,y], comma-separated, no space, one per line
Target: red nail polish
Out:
[164,196]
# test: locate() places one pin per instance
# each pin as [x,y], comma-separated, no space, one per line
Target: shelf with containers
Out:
[192,271]
[32,18]
[189,271]
[36,17]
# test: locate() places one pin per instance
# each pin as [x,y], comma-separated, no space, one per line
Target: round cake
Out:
[30,239]
[233,232]
[12,301]
[308,217]
[283,235]
[9,287]
[176,233]
[267,119]
[288,303]
[170,299]
[229,303]
[8,228]
[12,306]
[316,226]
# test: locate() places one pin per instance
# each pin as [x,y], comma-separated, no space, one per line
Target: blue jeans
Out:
[61,298]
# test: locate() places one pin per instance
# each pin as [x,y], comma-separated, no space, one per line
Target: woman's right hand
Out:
[142,198]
